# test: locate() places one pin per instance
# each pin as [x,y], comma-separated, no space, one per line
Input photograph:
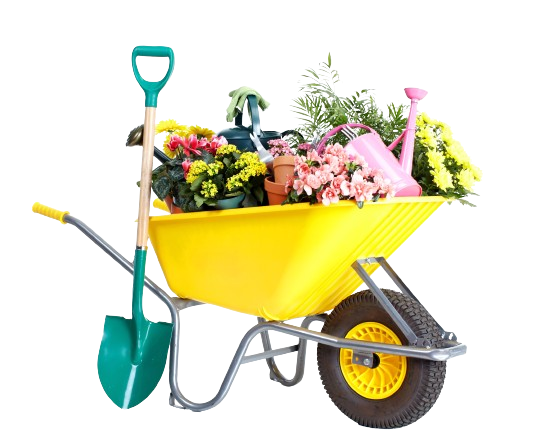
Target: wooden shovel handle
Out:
[145,180]
[151,90]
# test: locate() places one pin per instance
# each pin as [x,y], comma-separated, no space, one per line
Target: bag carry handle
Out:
[335,130]
[294,133]
[255,117]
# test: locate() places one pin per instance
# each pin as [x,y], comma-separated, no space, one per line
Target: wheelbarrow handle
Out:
[39,208]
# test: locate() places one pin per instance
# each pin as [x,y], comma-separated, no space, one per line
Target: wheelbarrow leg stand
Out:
[275,374]
[387,305]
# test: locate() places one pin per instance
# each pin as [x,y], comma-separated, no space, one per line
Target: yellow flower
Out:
[227,149]
[477,172]
[442,178]
[436,159]
[168,126]
[446,135]
[427,137]
[171,153]
[201,132]
[209,189]
[466,178]
[443,152]
[250,166]
[456,151]
[214,168]
[166,150]
[423,120]
[197,168]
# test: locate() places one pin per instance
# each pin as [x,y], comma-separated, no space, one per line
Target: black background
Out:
[85,109]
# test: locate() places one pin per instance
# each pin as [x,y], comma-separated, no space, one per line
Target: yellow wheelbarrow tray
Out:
[381,355]
[281,262]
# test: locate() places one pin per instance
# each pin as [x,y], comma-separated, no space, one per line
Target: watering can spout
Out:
[406,156]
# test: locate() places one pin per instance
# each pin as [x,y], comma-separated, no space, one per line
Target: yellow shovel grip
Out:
[49,212]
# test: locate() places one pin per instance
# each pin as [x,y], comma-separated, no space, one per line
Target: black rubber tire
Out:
[424,379]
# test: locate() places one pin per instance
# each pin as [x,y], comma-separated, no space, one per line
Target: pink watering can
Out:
[378,156]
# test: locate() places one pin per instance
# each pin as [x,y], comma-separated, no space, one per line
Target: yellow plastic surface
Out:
[49,212]
[385,379]
[281,262]
[157,203]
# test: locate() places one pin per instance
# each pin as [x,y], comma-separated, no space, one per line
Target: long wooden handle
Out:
[145,180]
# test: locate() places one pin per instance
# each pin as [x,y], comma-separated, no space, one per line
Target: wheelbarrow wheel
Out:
[396,390]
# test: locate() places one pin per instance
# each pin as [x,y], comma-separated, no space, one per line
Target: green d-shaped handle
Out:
[152,89]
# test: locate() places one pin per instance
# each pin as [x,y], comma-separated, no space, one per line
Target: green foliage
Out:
[208,178]
[320,109]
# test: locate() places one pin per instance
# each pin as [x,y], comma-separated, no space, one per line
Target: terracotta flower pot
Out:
[276,192]
[172,208]
[284,166]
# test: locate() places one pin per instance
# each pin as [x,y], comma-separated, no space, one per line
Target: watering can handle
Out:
[152,89]
[322,143]
[255,117]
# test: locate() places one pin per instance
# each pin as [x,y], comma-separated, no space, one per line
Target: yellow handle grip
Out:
[49,212]
[160,204]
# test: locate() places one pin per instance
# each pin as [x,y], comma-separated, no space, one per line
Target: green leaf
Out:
[199,200]
[197,183]
[174,162]
[158,171]
[207,157]
[176,174]
[259,194]
[181,202]
[329,60]
[192,207]
[162,187]
[249,201]
[184,189]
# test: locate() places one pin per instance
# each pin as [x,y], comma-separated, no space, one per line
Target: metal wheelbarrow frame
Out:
[362,351]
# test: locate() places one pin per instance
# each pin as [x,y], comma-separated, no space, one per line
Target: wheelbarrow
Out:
[381,355]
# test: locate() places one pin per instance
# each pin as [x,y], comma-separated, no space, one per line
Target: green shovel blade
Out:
[133,351]
[127,384]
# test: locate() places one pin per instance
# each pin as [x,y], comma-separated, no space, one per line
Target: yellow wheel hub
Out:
[385,379]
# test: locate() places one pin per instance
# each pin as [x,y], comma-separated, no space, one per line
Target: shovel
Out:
[133,351]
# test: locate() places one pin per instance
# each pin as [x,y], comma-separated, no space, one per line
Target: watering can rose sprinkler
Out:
[133,352]
[371,147]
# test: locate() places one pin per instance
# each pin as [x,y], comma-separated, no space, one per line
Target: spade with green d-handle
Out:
[133,351]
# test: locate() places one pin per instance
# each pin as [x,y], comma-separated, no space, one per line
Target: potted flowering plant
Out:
[335,175]
[204,171]
[441,166]
[284,160]
[279,148]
